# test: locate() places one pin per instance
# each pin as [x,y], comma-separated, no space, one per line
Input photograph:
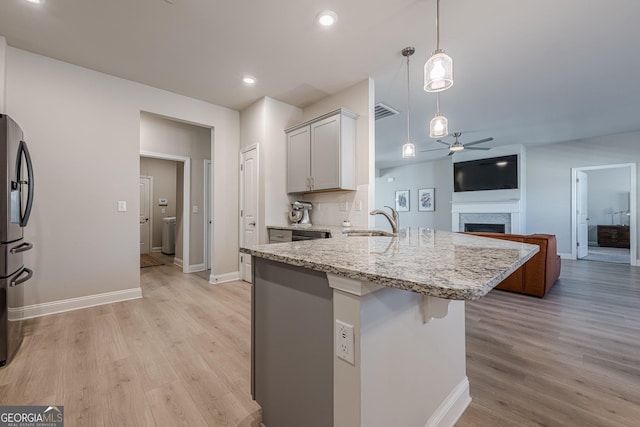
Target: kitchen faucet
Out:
[393,221]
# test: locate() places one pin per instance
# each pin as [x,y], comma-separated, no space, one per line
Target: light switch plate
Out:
[122,206]
[196,209]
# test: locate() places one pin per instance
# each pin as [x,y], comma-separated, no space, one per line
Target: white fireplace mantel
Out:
[514,207]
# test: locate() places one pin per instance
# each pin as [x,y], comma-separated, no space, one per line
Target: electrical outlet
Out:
[358,205]
[344,206]
[345,342]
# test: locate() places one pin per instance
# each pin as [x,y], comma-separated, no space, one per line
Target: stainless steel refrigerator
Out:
[16,199]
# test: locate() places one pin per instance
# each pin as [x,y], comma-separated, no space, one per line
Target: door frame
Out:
[259,219]
[633,202]
[150,201]
[208,220]
[186,200]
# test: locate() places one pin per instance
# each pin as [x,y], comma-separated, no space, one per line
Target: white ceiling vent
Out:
[383,111]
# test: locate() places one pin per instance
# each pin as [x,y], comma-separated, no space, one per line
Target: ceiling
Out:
[526,72]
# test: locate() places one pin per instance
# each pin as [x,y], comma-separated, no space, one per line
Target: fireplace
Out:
[484,228]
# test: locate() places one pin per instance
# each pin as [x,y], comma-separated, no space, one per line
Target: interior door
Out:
[582,220]
[248,208]
[208,215]
[145,214]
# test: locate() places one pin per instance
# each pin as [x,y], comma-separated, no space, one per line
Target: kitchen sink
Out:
[366,233]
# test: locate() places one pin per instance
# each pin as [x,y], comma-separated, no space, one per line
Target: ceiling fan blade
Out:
[477,148]
[480,141]
[451,153]
[442,142]
[435,149]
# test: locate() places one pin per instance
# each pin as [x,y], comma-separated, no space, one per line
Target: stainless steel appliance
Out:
[16,193]
[279,235]
[304,208]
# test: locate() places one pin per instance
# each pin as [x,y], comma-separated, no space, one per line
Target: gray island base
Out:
[369,331]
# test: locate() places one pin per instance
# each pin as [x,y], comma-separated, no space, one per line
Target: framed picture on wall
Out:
[427,199]
[402,201]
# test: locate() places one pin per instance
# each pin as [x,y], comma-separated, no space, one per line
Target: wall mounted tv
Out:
[496,173]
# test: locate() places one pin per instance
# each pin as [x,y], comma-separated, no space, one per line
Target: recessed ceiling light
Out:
[327,18]
[249,80]
[35,1]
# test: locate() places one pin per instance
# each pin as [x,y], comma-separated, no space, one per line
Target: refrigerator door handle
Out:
[19,279]
[23,247]
[24,151]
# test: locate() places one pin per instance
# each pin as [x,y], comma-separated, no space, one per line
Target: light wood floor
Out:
[570,359]
[180,356]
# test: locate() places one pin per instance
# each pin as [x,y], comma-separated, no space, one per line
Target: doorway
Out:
[181,203]
[249,181]
[604,213]
[145,214]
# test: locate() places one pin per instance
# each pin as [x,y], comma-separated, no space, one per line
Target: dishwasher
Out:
[279,235]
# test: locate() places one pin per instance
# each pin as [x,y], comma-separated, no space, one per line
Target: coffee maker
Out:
[300,213]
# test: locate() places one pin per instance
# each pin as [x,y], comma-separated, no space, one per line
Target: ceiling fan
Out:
[459,146]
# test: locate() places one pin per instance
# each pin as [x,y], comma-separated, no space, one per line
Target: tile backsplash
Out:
[334,207]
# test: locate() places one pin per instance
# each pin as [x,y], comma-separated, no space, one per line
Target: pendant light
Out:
[438,70]
[408,149]
[439,125]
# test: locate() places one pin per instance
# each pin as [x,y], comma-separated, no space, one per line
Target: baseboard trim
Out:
[452,407]
[222,278]
[158,249]
[177,261]
[565,256]
[61,306]
[195,268]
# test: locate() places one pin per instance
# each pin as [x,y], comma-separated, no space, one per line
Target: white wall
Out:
[436,174]
[549,179]
[3,58]
[160,135]
[163,173]
[358,98]
[608,193]
[83,129]
[263,123]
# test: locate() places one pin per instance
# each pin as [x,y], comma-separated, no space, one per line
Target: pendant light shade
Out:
[408,150]
[438,72]
[439,126]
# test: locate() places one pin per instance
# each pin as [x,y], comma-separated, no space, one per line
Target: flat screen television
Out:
[496,173]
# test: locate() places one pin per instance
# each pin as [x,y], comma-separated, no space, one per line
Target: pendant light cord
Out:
[408,104]
[437,25]
[437,103]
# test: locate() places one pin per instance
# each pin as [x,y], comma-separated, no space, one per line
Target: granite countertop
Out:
[430,262]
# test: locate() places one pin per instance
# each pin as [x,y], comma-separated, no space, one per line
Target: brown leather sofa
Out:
[538,274]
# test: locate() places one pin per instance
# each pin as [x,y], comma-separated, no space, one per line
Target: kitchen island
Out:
[369,331]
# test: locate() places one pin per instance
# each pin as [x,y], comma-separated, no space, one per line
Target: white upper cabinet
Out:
[321,153]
